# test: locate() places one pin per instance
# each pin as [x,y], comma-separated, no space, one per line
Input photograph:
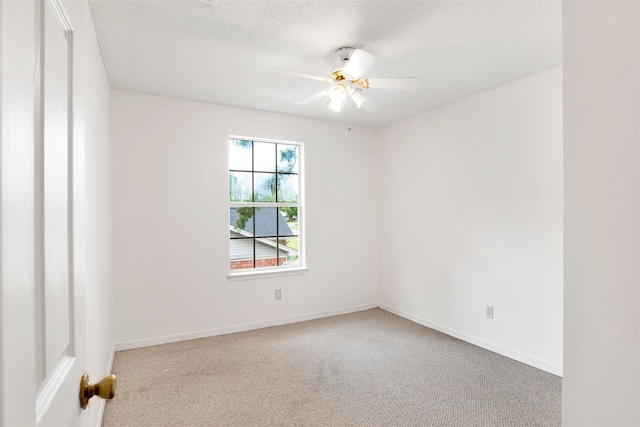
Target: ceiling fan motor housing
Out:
[344,53]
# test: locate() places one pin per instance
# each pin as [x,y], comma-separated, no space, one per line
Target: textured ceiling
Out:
[224,52]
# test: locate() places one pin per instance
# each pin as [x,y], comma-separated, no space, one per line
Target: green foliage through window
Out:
[244,215]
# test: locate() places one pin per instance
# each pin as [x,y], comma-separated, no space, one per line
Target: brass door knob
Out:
[105,389]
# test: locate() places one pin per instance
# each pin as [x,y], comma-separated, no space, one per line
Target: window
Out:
[265,207]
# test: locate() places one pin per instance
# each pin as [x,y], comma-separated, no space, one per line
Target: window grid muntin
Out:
[277,204]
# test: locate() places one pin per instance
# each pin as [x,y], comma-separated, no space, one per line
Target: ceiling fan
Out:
[348,81]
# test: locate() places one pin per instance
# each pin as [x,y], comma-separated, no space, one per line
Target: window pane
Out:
[241,251]
[241,222]
[291,216]
[288,227]
[264,174]
[240,186]
[287,250]
[265,187]
[266,253]
[264,157]
[239,155]
[267,222]
[287,158]
[287,188]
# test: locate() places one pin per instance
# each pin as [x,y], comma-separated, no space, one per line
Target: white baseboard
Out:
[128,345]
[512,354]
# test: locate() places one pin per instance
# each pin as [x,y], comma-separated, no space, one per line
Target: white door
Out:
[43,334]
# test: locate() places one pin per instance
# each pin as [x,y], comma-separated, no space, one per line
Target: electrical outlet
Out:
[489,312]
[278,293]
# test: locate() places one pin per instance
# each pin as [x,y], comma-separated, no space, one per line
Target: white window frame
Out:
[281,270]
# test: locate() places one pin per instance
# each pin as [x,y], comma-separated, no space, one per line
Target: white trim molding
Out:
[128,345]
[255,273]
[487,345]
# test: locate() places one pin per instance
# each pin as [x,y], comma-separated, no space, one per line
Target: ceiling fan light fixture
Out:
[335,105]
[337,94]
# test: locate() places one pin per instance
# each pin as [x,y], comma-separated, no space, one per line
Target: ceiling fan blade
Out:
[370,105]
[358,98]
[358,63]
[306,76]
[313,98]
[363,101]
[396,83]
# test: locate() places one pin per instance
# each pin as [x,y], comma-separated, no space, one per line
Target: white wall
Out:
[99,291]
[602,225]
[170,221]
[472,216]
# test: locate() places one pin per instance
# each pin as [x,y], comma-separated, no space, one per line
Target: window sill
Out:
[263,274]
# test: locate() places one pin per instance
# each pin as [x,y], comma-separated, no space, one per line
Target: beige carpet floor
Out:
[370,368]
